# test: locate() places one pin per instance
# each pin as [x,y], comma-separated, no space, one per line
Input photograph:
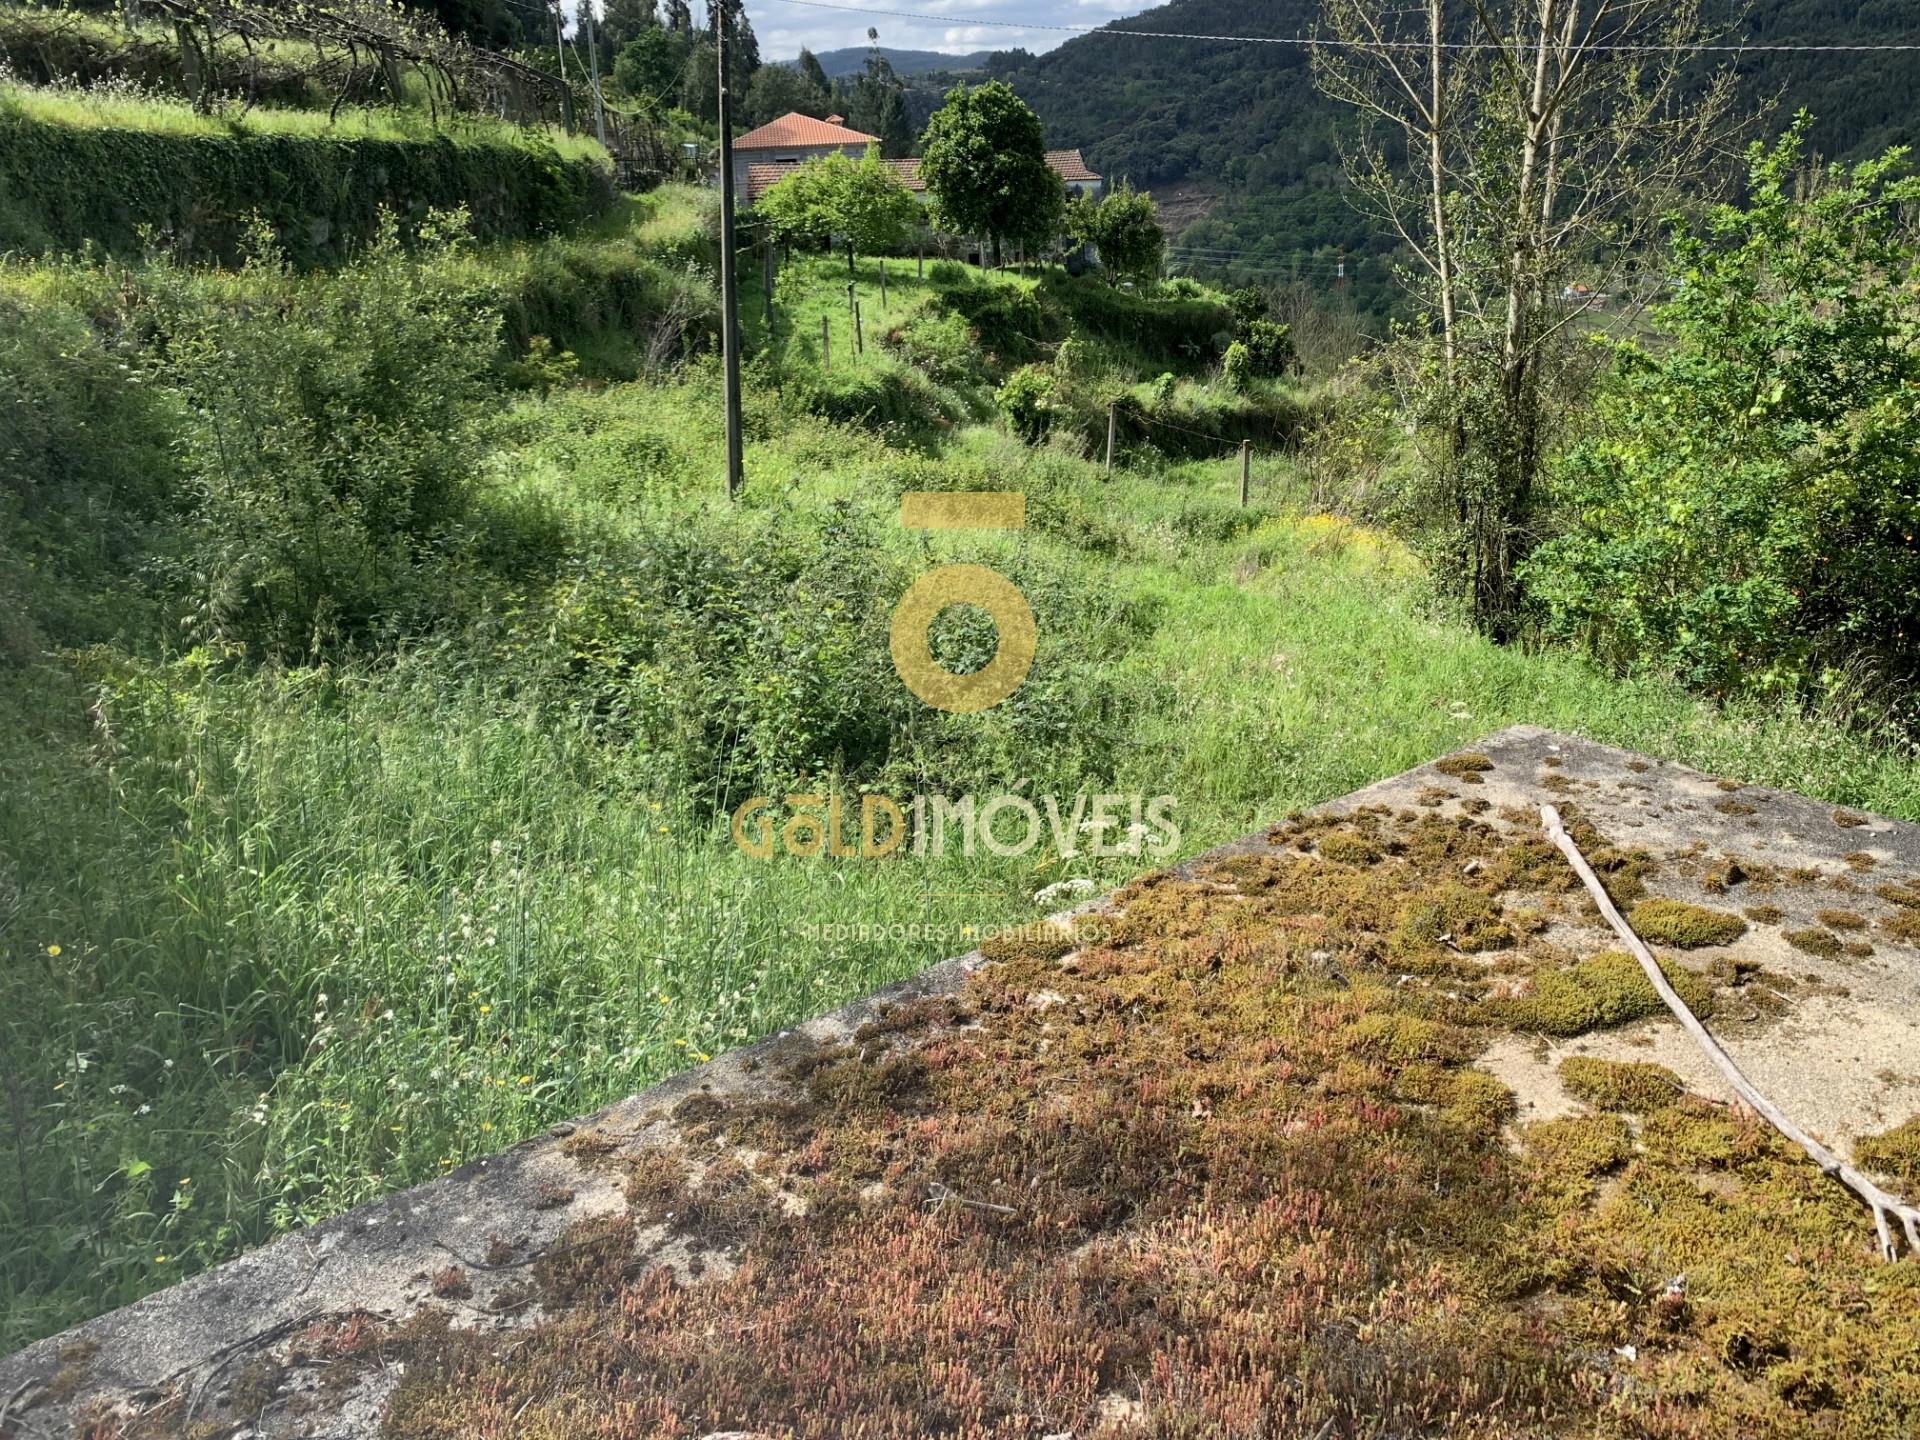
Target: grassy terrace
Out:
[168,115]
[284,932]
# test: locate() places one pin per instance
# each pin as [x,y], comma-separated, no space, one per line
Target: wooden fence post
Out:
[826,344]
[859,342]
[766,285]
[1110,429]
[883,285]
[1246,469]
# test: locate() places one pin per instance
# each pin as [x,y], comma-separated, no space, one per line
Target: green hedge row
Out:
[62,187]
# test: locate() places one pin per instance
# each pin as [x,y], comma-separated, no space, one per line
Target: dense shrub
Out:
[1026,400]
[86,466]
[331,433]
[1236,366]
[1007,321]
[1162,331]
[1746,509]
[1269,346]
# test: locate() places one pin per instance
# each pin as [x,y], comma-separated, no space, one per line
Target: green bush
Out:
[1236,366]
[331,431]
[87,469]
[1269,346]
[1026,400]
[1744,512]
[1160,331]
[1007,321]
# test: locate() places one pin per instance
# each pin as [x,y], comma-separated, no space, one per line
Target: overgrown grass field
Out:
[296,914]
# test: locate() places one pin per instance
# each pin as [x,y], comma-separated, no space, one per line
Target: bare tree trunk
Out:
[1437,167]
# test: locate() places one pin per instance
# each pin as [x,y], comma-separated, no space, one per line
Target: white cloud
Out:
[784,28]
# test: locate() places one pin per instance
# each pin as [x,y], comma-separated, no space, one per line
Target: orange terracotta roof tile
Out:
[794,128]
[1068,165]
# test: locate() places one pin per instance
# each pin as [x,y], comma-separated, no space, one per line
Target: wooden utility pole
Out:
[593,64]
[1246,469]
[729,261]
[1110,429]
[560,55]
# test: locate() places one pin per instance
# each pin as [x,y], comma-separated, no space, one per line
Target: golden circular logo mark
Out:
[962,585]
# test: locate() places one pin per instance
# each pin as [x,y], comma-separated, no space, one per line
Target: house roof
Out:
[793,128]
[907,172]
[763,176]
[1068,165]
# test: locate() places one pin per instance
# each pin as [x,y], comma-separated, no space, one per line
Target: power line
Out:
[1307,42]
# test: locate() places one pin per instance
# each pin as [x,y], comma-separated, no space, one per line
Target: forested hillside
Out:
[1245,125]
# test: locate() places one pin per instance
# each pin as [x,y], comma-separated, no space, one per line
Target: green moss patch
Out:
[1345,848]
[1607,990]
[1684,926]
[1634,1086]
[1466,767]
[1894,1153]
[1814,941]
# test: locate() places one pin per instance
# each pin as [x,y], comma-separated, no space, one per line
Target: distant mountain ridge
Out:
[852,59]
[1239,132]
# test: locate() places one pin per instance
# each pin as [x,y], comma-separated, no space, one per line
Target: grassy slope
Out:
[295,938]
[107,110]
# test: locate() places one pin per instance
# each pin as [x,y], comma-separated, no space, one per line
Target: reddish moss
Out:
[1840,919]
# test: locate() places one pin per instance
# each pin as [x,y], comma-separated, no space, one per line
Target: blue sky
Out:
[783,29]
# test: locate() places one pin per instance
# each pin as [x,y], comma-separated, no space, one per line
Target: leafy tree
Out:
[1124,229]
[648,68]
[876,102]
[624,21]
[861,200]
[777,90]
[815,73]
[1747,512]
[484,22]
[985,163]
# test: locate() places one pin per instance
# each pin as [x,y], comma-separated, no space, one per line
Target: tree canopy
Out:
[861,200]
[1124,229]
[985,163]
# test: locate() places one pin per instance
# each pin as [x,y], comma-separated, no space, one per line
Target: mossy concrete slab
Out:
[1838,1045]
